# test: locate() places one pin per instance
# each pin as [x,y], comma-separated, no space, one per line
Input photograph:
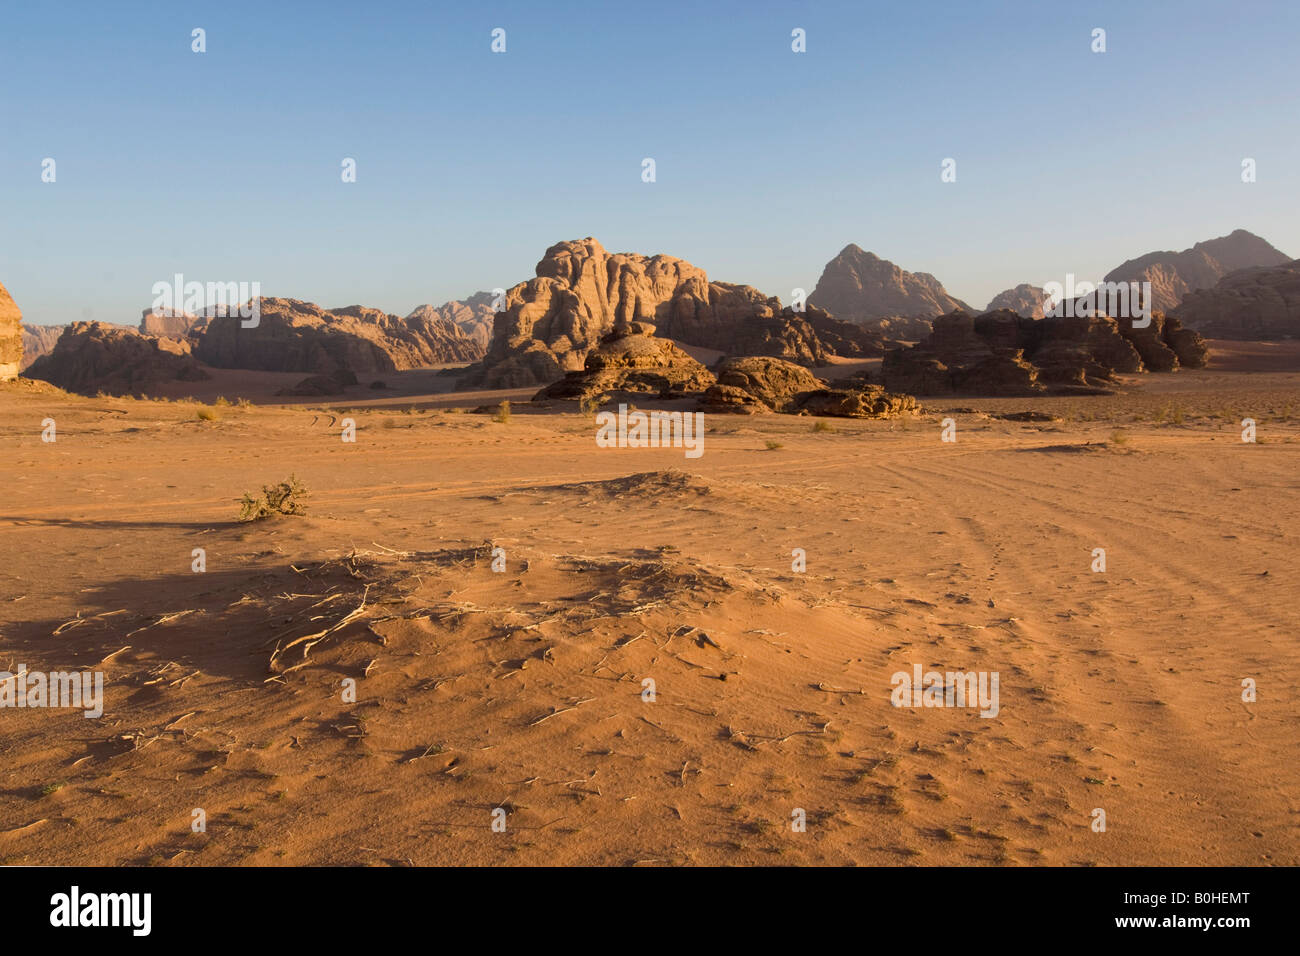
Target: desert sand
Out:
[522,690]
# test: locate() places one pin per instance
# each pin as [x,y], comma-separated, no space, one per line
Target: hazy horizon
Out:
[225,165]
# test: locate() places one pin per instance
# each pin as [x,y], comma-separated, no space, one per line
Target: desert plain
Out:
[478,691]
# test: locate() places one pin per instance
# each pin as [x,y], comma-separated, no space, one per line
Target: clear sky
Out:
[225,165]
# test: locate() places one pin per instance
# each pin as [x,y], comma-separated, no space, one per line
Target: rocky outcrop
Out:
[582,293]
[39,340]
[632,359]
[1259,303]
[11,337]
[294,336]
[760,384]
[861,287]
[1024,300]
[772,382]
[865,401]
[1174,274]
[1004,354]
[93,357]
[473,316]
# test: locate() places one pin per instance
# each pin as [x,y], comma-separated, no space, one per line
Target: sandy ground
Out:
[522,690]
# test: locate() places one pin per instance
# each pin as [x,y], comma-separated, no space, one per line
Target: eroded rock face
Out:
[1249,304]
[762,384]
[632,359]
[1005,354]
[582,293]
[1025,300]
[93,357]
[294,336]
[1174,274]
[866,401]
[11,337]
[39,340]
[473,316]
[772,382]
[861,287]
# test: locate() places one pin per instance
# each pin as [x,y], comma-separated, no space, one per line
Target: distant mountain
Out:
[1174,274]
[473,316]
[1258,303]
[11,337]
[861,287]
[1024,299]
[39,340]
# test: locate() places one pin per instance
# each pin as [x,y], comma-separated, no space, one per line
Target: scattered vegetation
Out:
[207,415]
[821,426]
[1118,437]
[503,414]
[773,445]
[284,498]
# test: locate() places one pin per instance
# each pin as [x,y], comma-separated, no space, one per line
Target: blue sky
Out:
[225,166]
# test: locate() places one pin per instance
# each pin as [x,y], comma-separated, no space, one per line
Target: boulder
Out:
[771,381]
[870,401]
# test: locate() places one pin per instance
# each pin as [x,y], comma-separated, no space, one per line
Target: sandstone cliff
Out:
[295,336]
[92,357]
[582,293]
[11,337]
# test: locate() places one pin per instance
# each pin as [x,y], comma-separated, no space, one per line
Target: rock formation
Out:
[632,359]
[294,336]
[473,316]
[1174,274]
[1261,303]
[39,340]
[757,384]
[1025,300]
[582,293]
[861,287]
[771,382]
[1004,354]
[92,357]
[11,337]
